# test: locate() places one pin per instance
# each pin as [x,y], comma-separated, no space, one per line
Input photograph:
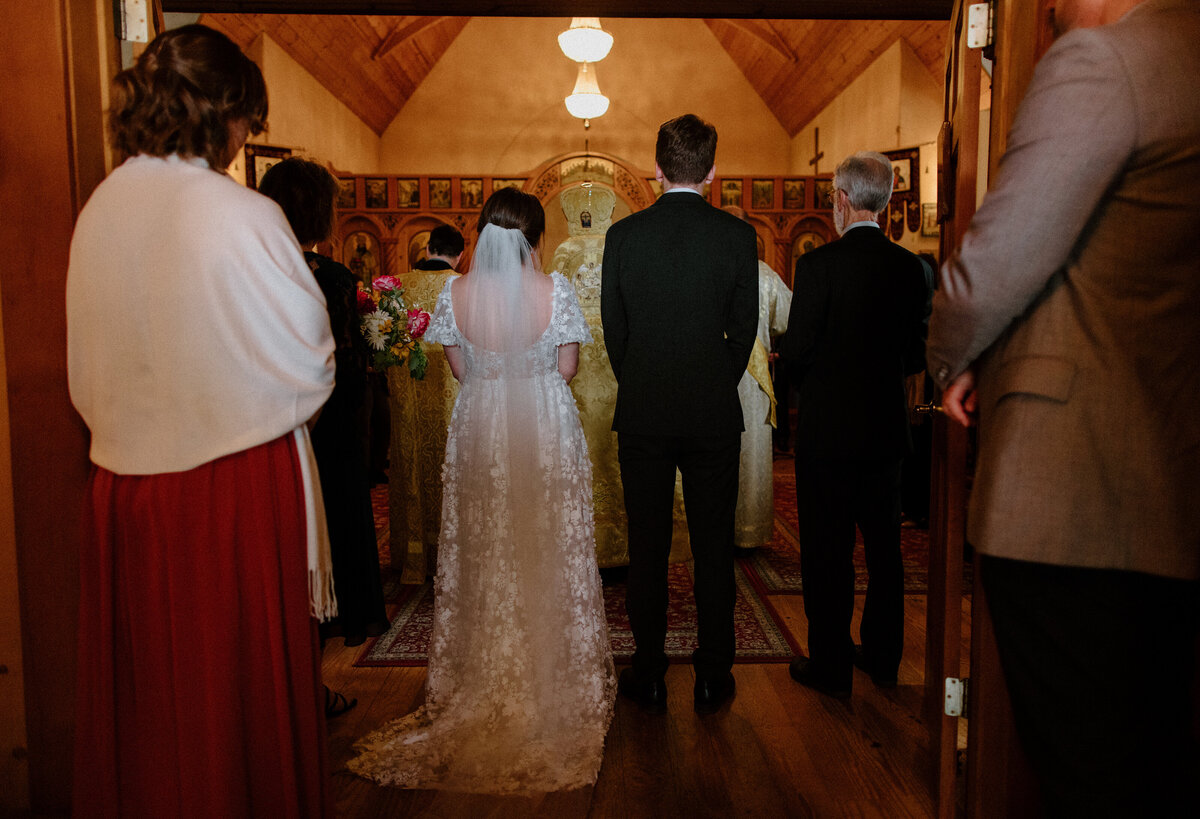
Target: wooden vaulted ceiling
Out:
[373,63]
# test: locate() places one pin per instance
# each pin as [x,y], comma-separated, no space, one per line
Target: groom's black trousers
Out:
[709,466]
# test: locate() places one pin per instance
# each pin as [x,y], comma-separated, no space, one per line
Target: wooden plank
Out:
[778,750]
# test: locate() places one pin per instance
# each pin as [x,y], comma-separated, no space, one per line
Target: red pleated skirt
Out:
[199,689]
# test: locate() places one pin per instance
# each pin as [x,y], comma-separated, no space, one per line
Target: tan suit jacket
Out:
[1076,295]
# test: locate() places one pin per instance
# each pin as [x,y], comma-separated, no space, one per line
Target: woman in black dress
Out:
[306,192]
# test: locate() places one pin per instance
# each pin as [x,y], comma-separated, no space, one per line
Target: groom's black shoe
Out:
[649,694]
[804,672]
[714,692]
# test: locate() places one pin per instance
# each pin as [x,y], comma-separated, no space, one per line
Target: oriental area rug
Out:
[761,635]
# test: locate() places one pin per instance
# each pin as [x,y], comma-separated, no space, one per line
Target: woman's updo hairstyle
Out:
[182,94]
[511,208]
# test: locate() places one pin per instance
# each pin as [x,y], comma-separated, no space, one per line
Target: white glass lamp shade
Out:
[586,101]
[585,41]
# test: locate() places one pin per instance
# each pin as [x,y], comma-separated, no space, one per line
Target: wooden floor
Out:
[779,750]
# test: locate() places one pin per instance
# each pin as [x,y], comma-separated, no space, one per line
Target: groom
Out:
[679,306]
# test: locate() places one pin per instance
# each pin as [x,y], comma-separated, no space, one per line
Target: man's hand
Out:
[959,400]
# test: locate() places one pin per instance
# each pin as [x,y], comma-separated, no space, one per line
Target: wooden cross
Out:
[818,153]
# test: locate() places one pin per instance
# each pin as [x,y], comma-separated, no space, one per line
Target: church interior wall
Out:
[493,104]
[895,103]
[307,118]
[499,89]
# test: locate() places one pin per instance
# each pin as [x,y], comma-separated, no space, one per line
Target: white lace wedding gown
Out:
[520,688]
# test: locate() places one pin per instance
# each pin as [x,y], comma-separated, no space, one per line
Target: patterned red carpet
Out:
[761,636]
[776,566]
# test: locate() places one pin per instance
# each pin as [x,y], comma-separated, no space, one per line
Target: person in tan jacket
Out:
[1069,322]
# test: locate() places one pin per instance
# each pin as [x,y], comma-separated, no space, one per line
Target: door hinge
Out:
[956,696]
[979,25]
[132,20]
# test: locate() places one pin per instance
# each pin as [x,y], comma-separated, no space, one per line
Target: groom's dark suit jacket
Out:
[680,311]
[856,329]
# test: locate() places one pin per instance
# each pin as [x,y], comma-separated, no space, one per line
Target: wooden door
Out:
[998,780]
[957,163]
[58,57]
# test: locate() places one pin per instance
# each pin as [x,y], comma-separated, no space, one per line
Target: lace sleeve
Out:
[568,325]
[442,328]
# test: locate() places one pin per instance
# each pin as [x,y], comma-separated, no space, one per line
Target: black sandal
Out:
[336,704]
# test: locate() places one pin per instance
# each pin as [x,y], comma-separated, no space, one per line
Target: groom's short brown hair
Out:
[686,149]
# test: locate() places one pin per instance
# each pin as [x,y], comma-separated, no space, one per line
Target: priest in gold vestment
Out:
[589,209]
[755,514]
[420,417]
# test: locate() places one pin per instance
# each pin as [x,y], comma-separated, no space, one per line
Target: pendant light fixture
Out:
[585,41]
[585,101]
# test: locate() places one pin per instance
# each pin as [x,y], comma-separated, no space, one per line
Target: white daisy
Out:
[377,325]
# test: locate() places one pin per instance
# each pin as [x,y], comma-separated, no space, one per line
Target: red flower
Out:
[366,304]
[418,322]
[386,283]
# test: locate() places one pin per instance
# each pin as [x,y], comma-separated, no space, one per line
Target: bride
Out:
[520,687]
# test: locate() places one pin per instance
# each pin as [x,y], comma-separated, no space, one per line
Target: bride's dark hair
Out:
[511,208]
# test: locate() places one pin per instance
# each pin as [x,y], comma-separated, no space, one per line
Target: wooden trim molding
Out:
[762,9]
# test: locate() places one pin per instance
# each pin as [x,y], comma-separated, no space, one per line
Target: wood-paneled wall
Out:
[57,58]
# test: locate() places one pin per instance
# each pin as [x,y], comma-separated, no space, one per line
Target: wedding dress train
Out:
[520,689]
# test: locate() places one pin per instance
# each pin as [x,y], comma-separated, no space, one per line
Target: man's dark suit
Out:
[680,309]
[856,329]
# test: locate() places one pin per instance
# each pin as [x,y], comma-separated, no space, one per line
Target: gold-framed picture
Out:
[439,193]
[261,157]
[376,192]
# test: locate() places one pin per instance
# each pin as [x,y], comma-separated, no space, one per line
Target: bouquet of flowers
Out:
[392,328]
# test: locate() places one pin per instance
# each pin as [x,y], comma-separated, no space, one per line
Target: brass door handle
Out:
[926,409]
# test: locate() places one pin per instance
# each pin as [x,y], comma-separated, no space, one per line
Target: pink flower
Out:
[386,283]
[366,304]
[418,322]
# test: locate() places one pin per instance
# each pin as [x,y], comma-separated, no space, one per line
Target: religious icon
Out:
[497,184]
[376,193]
[259,159]
[439,193]
[731,192]
[408,193]
[346,198]
[470,194]
[824,193]
[901,175]
[360,253]
[418,249]
[805,242]
[793,194]
[585,219]
[762,194]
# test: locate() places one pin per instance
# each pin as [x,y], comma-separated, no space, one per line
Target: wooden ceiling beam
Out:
[743,9]
[402,34]
[762,30]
